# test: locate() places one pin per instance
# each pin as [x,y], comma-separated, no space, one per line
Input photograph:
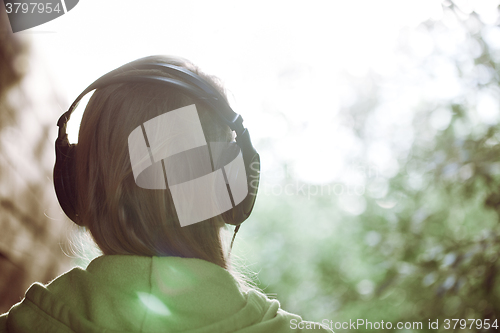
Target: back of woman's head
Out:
[122,217]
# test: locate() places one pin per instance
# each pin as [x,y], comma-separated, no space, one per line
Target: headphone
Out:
[185,82]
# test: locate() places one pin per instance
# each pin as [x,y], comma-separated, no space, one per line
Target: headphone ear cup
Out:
[64,177]
[252,169]
[242,210]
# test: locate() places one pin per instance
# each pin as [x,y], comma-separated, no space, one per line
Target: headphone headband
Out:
[196,88]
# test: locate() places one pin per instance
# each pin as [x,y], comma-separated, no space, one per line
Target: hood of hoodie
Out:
[147,294]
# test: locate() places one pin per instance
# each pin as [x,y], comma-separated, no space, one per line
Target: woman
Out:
[163,268]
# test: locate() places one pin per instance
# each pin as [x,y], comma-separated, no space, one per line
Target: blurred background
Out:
[378,128]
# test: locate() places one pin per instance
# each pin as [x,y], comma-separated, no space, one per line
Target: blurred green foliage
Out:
[429,247]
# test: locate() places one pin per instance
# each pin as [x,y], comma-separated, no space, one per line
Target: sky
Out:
[281,61]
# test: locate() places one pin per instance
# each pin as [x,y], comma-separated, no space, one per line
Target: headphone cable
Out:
[234,235]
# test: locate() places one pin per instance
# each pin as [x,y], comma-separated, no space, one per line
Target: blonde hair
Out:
[122,217]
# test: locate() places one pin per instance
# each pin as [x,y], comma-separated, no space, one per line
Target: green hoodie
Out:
[148,294]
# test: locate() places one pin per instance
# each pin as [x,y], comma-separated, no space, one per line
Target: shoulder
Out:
[274,318]
[3,323]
